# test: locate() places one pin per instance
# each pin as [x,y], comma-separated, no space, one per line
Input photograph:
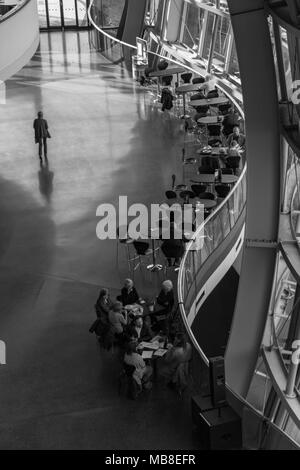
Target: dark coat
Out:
[40,129]
[129,298]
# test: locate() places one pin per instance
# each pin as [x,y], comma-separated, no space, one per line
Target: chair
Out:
[214,130]
[233,163]
[142,250]
[206,170]
[224,108]
[186,196]
[198,80]
[198,96]
[171,196]
[226,171]
[207,195]
[186,77]
[222,190]
[198,188]
[162,64]
[132,387]
[167,80]
[212,94]
[210,162]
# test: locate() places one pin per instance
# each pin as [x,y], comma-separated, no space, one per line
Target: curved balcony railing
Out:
[214,231]
[19,31]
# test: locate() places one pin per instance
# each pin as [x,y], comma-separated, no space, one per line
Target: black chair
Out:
[222,190]
[197,80]
[198,188]
[214,130]
[210,162]
[207,195]
[186,77]
[233,163]
[167,80]
[142,250]
[125,240]
[224,108]
[206,170]
[198,96]
[187,195]
[215,141]
[226,171]
[212,94]
[171,195]
[162,64]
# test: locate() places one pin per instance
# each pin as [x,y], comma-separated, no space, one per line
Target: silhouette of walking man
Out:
[41,132]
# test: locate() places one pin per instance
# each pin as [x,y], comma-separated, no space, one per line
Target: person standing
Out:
[41,134]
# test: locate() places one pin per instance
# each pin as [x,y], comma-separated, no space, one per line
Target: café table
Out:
[154,234]
[207,203]
[209,101]
[229,179]
[204,179]
[210,120]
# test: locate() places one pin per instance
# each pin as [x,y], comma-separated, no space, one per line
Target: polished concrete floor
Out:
[57,390]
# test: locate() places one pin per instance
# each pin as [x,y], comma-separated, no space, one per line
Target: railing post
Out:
[290,388]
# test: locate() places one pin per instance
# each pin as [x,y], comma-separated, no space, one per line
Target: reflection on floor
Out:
[57,391]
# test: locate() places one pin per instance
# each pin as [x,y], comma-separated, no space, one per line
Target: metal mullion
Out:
[202,35]
[184,15]
[229,51]
[76,14]
[47,13]
[279,57]
[62,16]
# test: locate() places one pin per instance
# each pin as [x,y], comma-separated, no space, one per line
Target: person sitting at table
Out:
[129,295]
[163,308]
[165,299]
[176,363]
[230,121]
[103,305]
[138,330]
[234,150]
[237,136]
[209,87]
[233,158]
[117,320]
[142,373]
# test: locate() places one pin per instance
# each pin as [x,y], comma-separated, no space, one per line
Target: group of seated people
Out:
[125,323]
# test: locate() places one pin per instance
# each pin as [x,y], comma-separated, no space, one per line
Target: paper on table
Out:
[160,352]
[147,354]
[145,345]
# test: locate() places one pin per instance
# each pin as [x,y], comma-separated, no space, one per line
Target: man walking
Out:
[41,132]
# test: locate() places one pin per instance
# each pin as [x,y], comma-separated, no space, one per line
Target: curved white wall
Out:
[19,36]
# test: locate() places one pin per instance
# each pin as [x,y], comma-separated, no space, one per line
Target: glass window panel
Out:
[54,13]
[222,42]
[42,13]
[193,26]
[208,35]
[69,12]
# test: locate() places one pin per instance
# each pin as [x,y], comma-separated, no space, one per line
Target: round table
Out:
[229,179]
[208,203]
[210,120]
[209,102]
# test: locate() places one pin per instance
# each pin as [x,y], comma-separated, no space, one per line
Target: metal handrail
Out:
[200,230]
[14,10]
